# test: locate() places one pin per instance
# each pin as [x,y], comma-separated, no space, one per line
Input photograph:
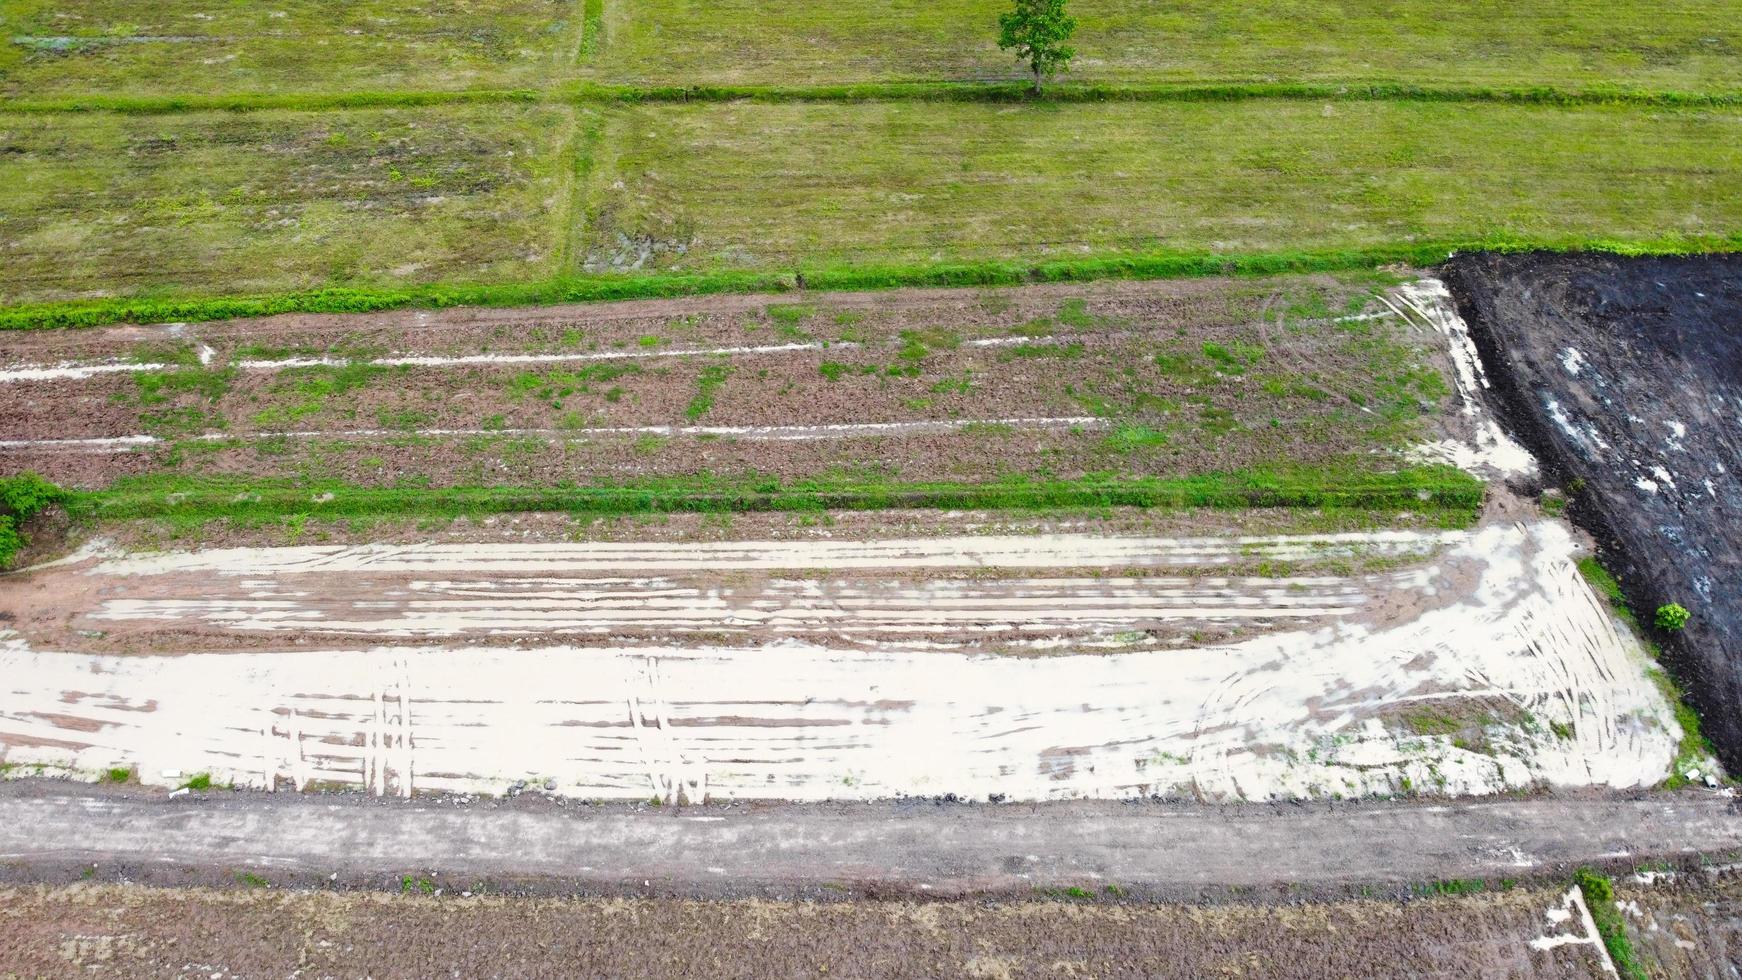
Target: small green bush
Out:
[1672,617]
[21,498]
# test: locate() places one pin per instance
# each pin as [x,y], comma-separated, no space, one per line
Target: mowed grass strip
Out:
[1625,43]
[110,48]
[769,186]
[100,205]
[125,47]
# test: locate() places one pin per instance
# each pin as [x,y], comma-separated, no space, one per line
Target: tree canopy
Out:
[1038,30]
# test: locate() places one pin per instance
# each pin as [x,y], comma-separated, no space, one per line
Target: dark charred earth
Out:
[1625,376]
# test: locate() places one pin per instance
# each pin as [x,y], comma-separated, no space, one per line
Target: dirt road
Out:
[912,846]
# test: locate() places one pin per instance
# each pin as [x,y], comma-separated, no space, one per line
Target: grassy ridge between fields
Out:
[605,287]
[183,499]
[942,91]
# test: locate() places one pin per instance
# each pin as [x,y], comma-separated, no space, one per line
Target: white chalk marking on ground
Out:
[1299,713]
[1493,451]
[776,433]
[1573,906]
[75,370]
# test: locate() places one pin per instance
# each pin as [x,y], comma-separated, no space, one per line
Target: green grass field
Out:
[522,196]
[227,203]
[180,46]
[1682,46]
[216,202]
[807,185]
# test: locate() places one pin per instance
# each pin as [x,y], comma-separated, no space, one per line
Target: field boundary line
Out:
[940,91]
[603,287]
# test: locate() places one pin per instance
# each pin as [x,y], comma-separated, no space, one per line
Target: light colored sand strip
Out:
[971,551]
[75,372]
[774,433]
[846,610]
[1489,451]
[72,370]
[1294,714]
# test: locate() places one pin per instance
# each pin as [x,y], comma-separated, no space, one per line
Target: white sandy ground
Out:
[846,610]
[1007,551]
[1299,713]
[603,589]
[1487,451]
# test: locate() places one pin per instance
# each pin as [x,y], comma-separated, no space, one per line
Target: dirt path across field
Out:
[912,846]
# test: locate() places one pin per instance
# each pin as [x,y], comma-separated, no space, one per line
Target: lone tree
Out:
[1038,30]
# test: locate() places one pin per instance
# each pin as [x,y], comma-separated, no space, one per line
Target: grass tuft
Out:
[1599,896]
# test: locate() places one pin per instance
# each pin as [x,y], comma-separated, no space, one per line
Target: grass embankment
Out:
[184,500]
[110,47]
[576,288]
[381,208]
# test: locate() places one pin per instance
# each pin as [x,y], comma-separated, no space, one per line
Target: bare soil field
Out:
[1159,379]
[1300,654]
[1623,373]
[134,931]
[1684,923]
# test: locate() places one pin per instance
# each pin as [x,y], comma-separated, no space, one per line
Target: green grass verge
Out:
[1600,899]
[1694,750]
[606,286]
[195,500]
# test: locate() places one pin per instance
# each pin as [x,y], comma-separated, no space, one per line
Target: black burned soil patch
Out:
[1625,376]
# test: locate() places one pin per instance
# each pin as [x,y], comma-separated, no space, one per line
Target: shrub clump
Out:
[21,498]
[1672,617]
